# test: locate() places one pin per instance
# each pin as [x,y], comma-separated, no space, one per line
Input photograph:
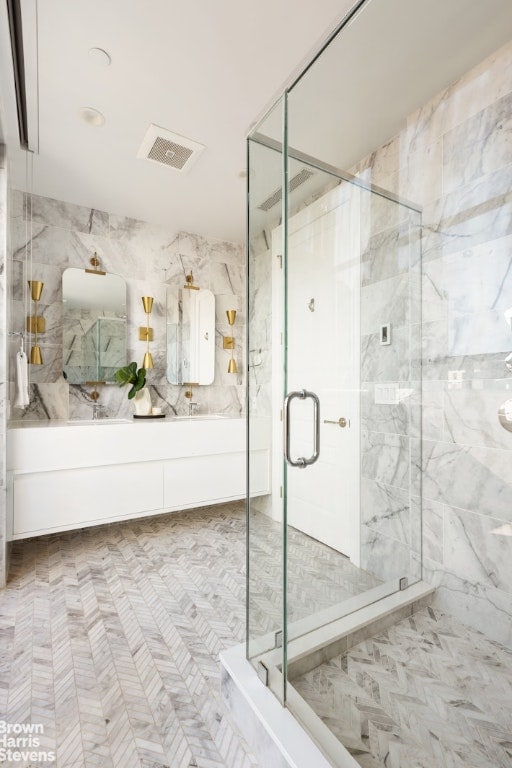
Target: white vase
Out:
[142,402]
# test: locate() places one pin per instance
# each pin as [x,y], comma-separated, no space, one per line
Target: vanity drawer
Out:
[209,479]
[66,499]
[200,479]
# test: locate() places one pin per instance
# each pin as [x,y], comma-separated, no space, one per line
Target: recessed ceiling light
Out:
[99,57]
[92,116]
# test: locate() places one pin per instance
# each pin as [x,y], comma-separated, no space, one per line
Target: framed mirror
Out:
[190,335]
[93,325]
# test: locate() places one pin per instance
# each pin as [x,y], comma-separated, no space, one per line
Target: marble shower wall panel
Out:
[150,259]
[4,244]
[460,144]
[260,319]
[390,294]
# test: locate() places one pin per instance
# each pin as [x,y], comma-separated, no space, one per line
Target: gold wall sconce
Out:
[189,282]
[229,341]
[95,266]
[35,323]
[146,333]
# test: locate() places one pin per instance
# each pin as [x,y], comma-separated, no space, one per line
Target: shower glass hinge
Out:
[262,673]
[280,258]
[403,583]
[278,638]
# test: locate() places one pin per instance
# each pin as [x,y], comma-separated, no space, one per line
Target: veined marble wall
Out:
[4,219]
[390,388]
[150,259]
[454,158]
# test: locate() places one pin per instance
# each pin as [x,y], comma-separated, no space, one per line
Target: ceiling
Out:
[205,70]
[209,71]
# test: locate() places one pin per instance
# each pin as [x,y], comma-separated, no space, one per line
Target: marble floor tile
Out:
[428,692]
[110,639]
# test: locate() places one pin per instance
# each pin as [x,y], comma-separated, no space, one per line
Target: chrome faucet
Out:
[191,407]
[96,408]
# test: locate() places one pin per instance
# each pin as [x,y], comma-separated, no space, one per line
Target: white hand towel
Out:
[21,399]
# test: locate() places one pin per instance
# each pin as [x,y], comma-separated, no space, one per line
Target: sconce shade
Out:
[231,315]
[147,301]
[36,357]
[232,368]
[36,289]
[148,361]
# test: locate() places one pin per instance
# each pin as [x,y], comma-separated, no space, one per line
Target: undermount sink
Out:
[199,416]
[88,422]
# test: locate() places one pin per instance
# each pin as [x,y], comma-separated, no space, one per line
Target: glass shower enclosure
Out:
[378,255]
[334,379]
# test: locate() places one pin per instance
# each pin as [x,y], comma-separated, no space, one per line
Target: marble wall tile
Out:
[475,90]
[58,213]
[474,214]
[432,410]
[227,253]
[478,145]
[386,301]
[461,137]
[51,369]
[387,255]
[475,479]
[470,414]
[180,265]
[401,419]
[385,458]
[150,258]
[192,245]
[383,557]
[421,173]
[381,164]
[486,269]
[475,550]
[439,364]
[47,401]
[486,608]
[386,510]
[4,246]
[386,362]
[379,213]
[227,278]
[41,242]
[4,345]
[427,528]
[226,400]
[15,204]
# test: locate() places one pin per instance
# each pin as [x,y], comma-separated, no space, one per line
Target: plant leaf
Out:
[127,374]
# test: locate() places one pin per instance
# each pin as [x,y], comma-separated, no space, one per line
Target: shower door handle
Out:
[301,394]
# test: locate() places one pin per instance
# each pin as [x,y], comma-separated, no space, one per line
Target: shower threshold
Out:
[296,737]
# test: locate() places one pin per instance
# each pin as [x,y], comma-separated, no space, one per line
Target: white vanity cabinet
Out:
[64,476]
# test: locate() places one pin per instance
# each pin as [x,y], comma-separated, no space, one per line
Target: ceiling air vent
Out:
[276,196]
[171,149]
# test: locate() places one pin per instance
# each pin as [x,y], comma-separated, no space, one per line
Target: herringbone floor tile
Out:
[110,639]
[427,693]
[110,636]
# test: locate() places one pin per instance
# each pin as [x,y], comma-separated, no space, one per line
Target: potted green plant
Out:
[129,374]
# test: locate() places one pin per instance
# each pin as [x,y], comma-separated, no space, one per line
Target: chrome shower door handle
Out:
[301,394]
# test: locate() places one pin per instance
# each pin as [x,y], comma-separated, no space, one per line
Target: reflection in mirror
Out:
[190,335]
[93,325]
